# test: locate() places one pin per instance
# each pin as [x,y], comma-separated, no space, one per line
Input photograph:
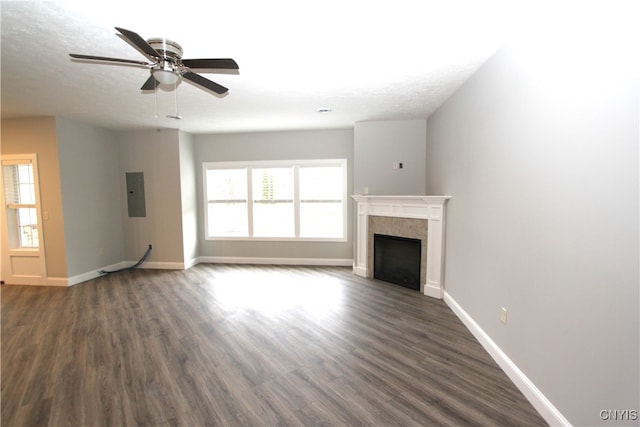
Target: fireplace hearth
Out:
[397,260]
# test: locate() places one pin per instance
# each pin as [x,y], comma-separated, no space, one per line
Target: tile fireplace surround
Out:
[401,213]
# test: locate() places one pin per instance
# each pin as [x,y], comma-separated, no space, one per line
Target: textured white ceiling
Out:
[366,60]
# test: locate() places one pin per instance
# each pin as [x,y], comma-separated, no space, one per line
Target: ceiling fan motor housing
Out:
[166,48]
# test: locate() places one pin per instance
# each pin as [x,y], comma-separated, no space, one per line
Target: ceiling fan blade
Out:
[139,42]
[206,83]
[150,84]
[104,58]
[221,63]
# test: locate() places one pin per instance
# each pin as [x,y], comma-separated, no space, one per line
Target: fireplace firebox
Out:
[397,260]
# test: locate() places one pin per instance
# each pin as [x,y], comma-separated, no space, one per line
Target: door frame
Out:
[34,258]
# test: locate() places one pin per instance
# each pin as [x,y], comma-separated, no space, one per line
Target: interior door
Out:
[23,258]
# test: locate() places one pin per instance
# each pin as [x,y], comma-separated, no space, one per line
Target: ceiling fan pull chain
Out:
[175,91]
[156,101]
[175,116]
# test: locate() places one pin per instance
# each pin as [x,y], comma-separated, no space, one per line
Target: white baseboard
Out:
[162,265]
[276,261]
[74,280]
[48,281]
[548,411]
[432,291]
[360,271]
[57,281]
[80,278]
[190,263]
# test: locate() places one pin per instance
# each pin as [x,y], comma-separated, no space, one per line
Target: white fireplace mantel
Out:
[431,208]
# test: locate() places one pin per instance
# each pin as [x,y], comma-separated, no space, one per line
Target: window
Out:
[321,201]
[273,207]
[20,200]
[227,202]
[282,200]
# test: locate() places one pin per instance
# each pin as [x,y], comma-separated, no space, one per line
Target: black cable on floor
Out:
[134,266]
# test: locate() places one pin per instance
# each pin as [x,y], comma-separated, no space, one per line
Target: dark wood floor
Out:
[247,346]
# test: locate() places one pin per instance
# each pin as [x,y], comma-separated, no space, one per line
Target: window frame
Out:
[261,164]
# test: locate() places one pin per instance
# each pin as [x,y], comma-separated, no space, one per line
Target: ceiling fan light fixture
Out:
[165,77]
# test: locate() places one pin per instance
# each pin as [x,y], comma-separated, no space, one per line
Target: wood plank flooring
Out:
[245,346]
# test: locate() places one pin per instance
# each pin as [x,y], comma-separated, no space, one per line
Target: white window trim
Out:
[255,164]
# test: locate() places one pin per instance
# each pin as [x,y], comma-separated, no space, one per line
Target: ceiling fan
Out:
[166,64]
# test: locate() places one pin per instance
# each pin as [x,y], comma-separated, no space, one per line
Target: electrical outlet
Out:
[503,315]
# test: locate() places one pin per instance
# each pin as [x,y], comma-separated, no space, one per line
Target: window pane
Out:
[273,202]
[321,208]
[26,185]
[321,183]
[273,184]
[227,184]
[227,219]
[321,220]
[227,207]
[28,227]
[22,228]
[19,187]
[273,219]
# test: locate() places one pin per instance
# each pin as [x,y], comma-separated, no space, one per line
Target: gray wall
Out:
[539,150]
[377,145]
[324,144]
[90,184]
[38,135]
[189,197]
[156,153]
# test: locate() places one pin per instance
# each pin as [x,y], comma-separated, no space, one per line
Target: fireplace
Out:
[397,260]
[414,217]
